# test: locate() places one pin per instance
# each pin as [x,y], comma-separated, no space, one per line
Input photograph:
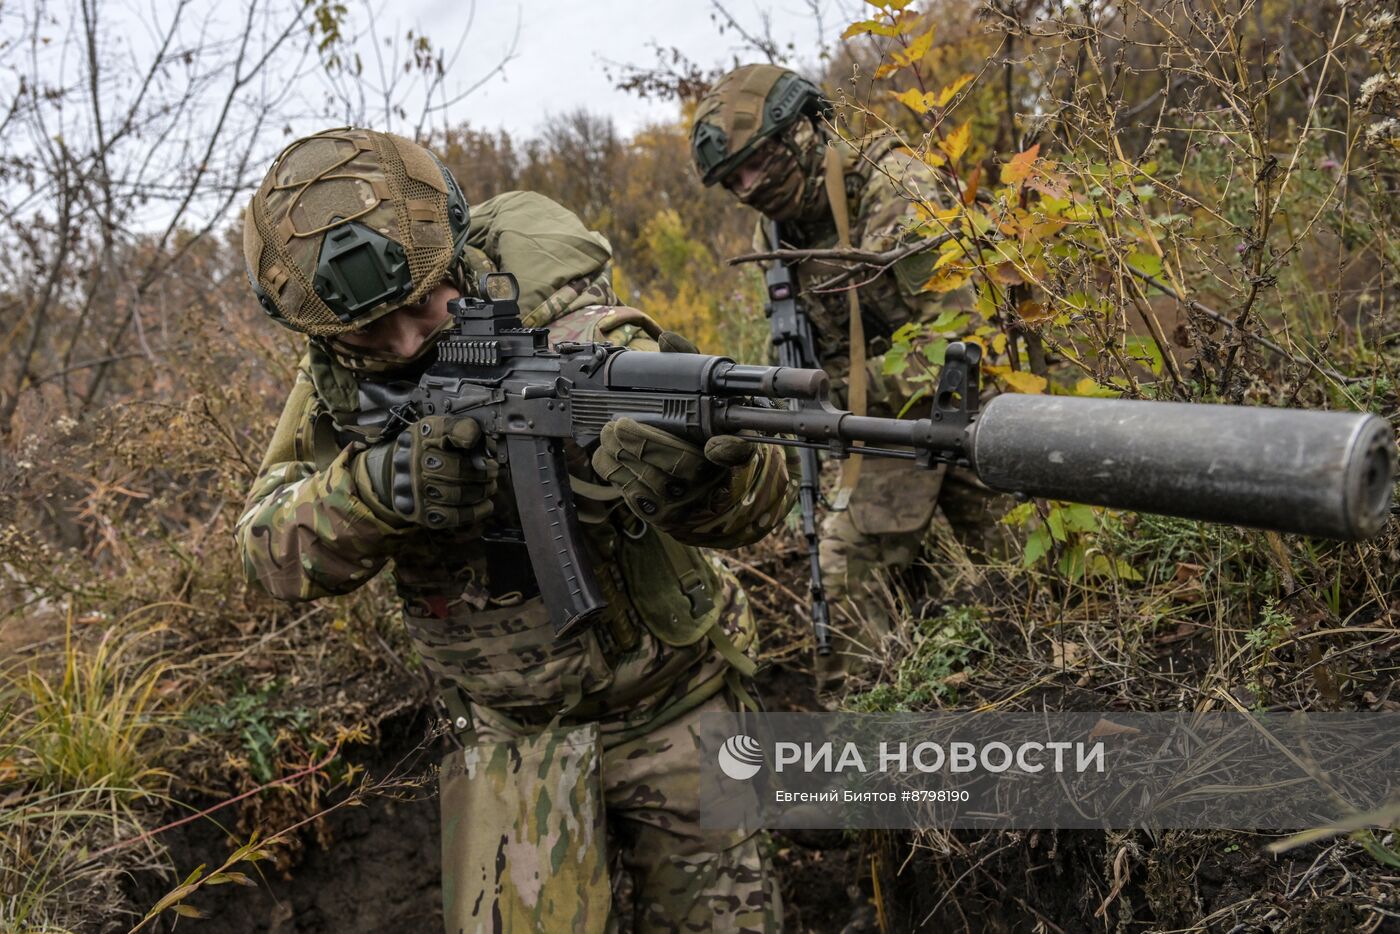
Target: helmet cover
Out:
[349,225]
[750,104]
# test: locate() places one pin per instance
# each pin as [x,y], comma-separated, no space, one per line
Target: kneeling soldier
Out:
[579,758]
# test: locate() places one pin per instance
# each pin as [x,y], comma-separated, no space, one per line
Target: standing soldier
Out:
[579,759]
[759,133]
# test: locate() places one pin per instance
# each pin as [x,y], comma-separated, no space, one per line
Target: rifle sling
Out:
[855,381]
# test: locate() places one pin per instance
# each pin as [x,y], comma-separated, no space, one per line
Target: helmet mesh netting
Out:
[427,264]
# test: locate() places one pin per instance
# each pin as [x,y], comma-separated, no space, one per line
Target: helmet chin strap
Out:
[790,144]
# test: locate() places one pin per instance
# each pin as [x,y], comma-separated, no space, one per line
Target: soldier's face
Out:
[770,180]
[402,332]
[748,174]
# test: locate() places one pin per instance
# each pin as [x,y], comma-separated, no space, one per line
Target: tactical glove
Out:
[660,475]
[436,473]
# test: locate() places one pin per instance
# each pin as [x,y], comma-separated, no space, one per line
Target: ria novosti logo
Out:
[740,757]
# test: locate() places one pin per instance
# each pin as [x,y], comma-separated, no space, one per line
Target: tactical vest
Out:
[884,308]
[883,304]
[472,607]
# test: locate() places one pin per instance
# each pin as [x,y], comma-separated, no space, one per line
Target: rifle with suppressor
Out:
[791,332]
[1325,474]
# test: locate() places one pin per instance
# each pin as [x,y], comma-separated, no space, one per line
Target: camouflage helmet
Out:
[750,104]
[349,225]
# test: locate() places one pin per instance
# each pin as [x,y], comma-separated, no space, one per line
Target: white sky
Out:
[558,67]
[563,44]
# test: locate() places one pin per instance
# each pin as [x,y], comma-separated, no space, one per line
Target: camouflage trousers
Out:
[538,832]
[882,530]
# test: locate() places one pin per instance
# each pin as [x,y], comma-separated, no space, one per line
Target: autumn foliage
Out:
[1155,198]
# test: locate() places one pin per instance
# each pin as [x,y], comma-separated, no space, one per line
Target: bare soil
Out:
[380,872]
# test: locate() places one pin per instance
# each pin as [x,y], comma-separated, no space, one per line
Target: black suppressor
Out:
[1326,474]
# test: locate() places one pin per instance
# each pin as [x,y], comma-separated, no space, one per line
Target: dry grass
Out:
[94,723]
[1269,205]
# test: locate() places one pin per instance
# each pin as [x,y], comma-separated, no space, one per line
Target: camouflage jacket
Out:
[311,528]
[882,179]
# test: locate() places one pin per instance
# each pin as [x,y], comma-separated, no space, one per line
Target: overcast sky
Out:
[563,45]
[558,52]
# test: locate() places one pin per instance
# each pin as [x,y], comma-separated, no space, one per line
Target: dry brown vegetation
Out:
[1158,198]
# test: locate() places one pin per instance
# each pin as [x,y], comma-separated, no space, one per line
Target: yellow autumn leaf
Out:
[915,100]
[947,279]
[902,58]
[869,27]
[999,343]
[956,142]
[934,159]
[945,259]
[1020,166]
[917,49]
[1016,380]
[951,91]
[1088,387]
[1047,228]
[937,214]
[1021,381]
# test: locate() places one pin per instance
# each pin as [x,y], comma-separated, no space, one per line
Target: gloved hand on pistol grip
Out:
[437,473]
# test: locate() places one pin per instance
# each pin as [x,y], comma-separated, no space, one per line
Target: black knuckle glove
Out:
[437,473]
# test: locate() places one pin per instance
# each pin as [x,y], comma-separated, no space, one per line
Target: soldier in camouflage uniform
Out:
[579,760]
[758,132]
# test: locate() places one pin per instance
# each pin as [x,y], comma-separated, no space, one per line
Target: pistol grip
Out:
[545,502]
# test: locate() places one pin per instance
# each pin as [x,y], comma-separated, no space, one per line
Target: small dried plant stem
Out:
[284,780]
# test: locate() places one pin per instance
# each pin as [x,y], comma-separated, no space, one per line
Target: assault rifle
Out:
[1325,474]
[791,333]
